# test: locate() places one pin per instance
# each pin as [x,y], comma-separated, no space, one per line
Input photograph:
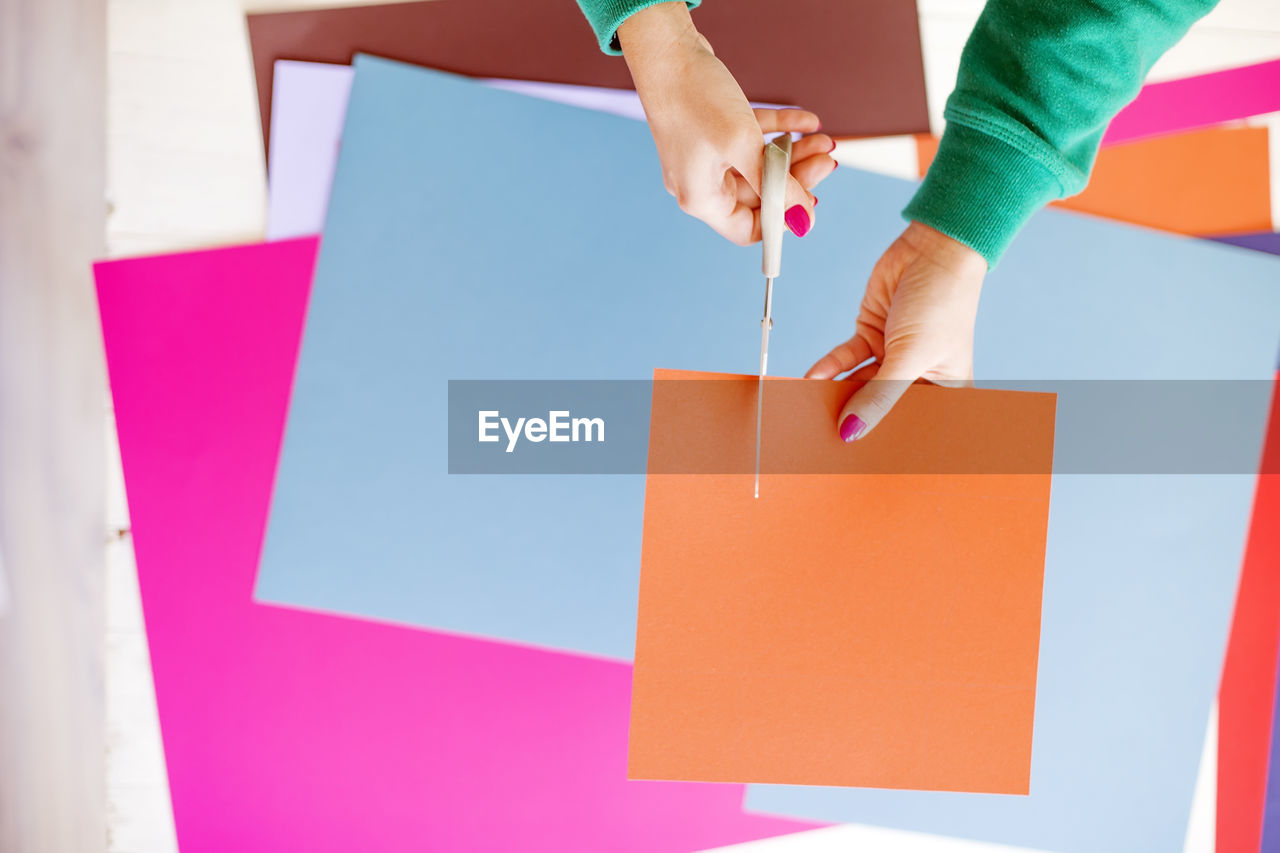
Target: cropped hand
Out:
[709,139]
[916,322]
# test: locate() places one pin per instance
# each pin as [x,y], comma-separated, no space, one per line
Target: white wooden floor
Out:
[52,388]
[185,170]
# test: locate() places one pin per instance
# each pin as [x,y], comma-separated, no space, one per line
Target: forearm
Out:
[606,16]
[1039,81]
[655,42]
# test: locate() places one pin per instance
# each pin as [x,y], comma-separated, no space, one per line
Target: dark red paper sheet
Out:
[858,65]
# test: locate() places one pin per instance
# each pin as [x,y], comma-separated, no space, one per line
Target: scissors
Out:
[773,190]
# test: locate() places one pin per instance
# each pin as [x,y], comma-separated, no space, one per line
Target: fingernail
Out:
[851,428]
[833,146]
[815,201]
[798,220]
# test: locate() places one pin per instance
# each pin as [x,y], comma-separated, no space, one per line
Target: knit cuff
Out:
[981,190]
[606,16]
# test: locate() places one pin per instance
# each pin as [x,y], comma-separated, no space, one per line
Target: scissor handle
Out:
[773,199]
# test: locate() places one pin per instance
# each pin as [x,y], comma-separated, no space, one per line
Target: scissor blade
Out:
[773,190]
[766,323]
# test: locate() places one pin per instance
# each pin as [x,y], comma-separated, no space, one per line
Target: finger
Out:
[863,374]
[813,171]
[741,226]
[703,201]
[952,382]
[706,190]
[814,143]
[742,191]
[799,207]
[747,158]
[776,121]
[846,356]
[870,403]
[736,213]
[801,150]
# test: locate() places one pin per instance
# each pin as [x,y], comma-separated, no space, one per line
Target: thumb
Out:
[747,157]
[799,215]
[868,406]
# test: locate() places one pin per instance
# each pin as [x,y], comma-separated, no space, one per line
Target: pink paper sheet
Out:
[287,730]
[1192,102]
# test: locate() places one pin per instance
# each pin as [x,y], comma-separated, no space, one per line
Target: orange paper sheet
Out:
[1204,183]
[873,629]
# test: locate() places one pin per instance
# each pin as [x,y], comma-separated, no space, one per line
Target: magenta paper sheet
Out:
[1191,102]
[287,730]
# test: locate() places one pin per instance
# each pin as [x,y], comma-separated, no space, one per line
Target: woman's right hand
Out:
[709,139]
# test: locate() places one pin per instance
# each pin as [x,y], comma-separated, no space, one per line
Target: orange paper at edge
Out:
[1203,183]
[873,630]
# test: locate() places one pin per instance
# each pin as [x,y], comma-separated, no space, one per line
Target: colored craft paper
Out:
[4,585]
[1191,102]
[846,837]
[1208,182]
[308,105]
[1130,660]
[1271,815]
[1200,183]
[862,70]
[1246,699]
[874,630]
[1264,241]
[310,98]
[286,730]
[195,601]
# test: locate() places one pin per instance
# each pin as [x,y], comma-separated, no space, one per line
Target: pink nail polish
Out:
[852,428]
[833,146]
[815,201]
[797,219]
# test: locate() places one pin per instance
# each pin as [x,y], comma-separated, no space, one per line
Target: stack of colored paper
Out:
[946,630]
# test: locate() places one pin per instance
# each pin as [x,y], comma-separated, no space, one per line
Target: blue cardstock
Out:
[479,234]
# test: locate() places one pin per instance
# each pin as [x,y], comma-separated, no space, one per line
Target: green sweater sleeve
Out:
[1039,81]
[605,16]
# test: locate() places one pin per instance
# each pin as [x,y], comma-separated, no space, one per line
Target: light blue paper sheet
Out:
[480,234]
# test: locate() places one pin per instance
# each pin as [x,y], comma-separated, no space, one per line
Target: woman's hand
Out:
[710,141]
[916,321]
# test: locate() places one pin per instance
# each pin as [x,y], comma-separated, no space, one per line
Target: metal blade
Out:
[766,323]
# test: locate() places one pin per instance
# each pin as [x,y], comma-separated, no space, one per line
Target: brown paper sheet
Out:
[857,65]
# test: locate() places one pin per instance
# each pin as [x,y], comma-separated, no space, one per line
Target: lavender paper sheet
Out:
[308,106]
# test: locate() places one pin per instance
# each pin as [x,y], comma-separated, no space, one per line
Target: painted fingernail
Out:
[815,201]
[798,220]
[833,146]
[851,428]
